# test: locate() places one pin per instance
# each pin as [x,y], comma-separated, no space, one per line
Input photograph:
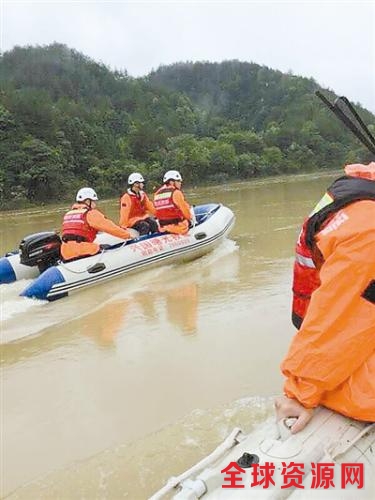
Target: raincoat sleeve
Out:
[125,205]
[179,200]
[337,334]
[149,206]
[99,222]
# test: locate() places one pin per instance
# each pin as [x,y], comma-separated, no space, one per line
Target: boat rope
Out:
[233,439]
[100,255]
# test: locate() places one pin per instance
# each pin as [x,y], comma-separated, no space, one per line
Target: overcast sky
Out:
[331,41]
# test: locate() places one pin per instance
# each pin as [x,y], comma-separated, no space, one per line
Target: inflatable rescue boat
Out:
[39,255]
[332,458]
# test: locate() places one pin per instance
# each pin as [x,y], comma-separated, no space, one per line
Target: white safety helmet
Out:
[135,177]
[86,194]
[173,175]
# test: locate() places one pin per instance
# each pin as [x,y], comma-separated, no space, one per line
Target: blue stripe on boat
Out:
[7,274]
[40,287]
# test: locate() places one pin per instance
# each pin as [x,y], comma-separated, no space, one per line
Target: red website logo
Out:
[323,474]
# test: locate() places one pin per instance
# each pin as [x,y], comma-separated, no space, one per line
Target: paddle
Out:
[344,110]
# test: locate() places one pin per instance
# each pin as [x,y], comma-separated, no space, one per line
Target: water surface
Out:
[107,393]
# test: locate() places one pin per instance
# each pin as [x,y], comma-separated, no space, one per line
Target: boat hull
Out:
[11,269]
[130,257]
[329,439]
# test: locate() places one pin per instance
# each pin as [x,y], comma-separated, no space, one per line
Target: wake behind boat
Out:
[213,223]
[333,457]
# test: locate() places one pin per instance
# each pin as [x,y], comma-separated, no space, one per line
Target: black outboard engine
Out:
[40,249]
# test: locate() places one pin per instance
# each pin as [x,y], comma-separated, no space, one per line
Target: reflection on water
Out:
[182,308]
[115,309]
[124,366]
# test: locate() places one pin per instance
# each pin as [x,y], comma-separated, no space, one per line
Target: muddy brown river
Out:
[108,392]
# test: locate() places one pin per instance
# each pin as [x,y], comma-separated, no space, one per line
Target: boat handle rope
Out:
[100,255]
[234,438]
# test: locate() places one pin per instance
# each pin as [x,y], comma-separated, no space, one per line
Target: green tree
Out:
[272,160]
[300,158]
[243,141]
[190,156]
[42,172]
[223,160]
[248,165]
[66,120]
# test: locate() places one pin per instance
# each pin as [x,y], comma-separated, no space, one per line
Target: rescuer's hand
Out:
[290,408]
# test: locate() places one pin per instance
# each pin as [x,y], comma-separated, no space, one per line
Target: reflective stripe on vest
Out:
[166,210]
[75,225]
[305,261]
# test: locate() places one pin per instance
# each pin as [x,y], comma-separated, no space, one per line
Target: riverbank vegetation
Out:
[68,121]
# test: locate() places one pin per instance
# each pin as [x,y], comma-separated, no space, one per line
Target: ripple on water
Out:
[136,470]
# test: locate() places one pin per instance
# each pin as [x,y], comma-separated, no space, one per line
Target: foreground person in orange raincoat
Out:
[81,225]
[172,210]
[331,360]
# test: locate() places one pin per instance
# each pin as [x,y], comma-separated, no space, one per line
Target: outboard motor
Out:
[40,249]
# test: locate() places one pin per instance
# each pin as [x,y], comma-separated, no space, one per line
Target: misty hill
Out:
[68,121]
[251,95]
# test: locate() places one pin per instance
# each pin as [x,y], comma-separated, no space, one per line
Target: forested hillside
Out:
[67,121]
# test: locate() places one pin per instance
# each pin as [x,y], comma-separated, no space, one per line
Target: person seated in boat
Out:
[172,210]
[81,225]
[136,209]
[331,359]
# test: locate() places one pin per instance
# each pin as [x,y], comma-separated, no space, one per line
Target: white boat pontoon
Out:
[55,279]
[332,458]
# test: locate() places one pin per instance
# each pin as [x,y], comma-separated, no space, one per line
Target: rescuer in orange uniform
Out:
[172,210]
[136,210]
[81,225]
[331,360]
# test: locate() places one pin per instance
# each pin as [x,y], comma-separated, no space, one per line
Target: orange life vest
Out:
[75,226]
[166,210]
[138,205]
[344,191]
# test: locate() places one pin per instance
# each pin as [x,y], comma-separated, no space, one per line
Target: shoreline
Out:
[65,204]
